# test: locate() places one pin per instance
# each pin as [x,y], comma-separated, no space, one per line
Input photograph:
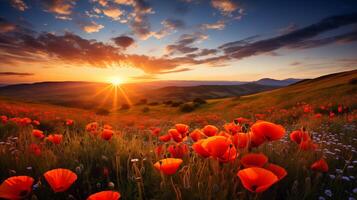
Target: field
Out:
[296,142]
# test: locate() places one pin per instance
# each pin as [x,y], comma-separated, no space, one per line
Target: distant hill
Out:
[93,95]
[207,91]
[274,82]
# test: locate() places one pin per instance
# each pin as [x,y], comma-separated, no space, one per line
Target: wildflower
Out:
[38,134]
[254,160]
[69,122]
[16,187]
[298,136]
[240,140]
[182,129]
[318,115]
[210,130]
[196,135]
[60,179]
[256,179]
[155,131]
[3,119]
[165,138]
[328,193]
[36,122]
[178,151]
[232,128]
[168,166]
[277,170]
[92,127]
[197,147]
[175,135]
[241,120]
[320,165]
[55,138]
[229,155]
[107,134]
[216,146]
[268,130]
[105,195]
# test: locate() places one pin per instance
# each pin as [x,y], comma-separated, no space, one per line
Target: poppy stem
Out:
[177,191]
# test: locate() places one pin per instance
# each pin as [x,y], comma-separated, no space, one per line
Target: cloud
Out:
[185,43]
[15,74]
[219,25]
[295,63]
[21,47]
[6,26]
[59,7]
[112,12]
[91,27]
[226,7]
[298,39]
[175,71]
[123,41]
[19,5]
[170,25]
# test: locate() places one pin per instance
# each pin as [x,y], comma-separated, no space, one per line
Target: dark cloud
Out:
[6,26]
[123,41]
[185,43]
[299,38]
[70,49]
[288,29]
[15,74]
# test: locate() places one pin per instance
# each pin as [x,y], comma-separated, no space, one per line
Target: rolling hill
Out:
[93,95]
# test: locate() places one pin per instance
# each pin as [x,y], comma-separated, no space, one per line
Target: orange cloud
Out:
[19,4]
[92,27]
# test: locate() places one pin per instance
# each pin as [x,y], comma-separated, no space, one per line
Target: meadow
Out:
[297,142]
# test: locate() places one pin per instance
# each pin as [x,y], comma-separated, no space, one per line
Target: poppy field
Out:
[293,148]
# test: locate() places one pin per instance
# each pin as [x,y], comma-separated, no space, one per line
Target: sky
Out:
[148,40]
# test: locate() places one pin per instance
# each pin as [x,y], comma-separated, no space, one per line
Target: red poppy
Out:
[55,138]
[107,126]
[158,150]
[35,149]
[299,136]
[105,195]
[197,147]
[256,179]
[256,138]
[178,151]
[25,121]
[196,135]
[176,135]
[60,179]
[232,128]
[69,122]
[168,166]
[318,115]
[277,170]
[92,127]
[37,133]
[254,160]
[107,134]
[320,165]
[241,120]
[4,119]
[36,122]
[269,130]
[332,115]
[340,109]
[182,129]
[165,138]
[240,140]
[210,130]
[155,131]
[216,146]
[16,187]
[230,155]
[308,145]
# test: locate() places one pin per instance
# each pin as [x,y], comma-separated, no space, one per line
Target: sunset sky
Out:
[137,40]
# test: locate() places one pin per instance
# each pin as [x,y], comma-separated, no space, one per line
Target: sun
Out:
[115,81]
